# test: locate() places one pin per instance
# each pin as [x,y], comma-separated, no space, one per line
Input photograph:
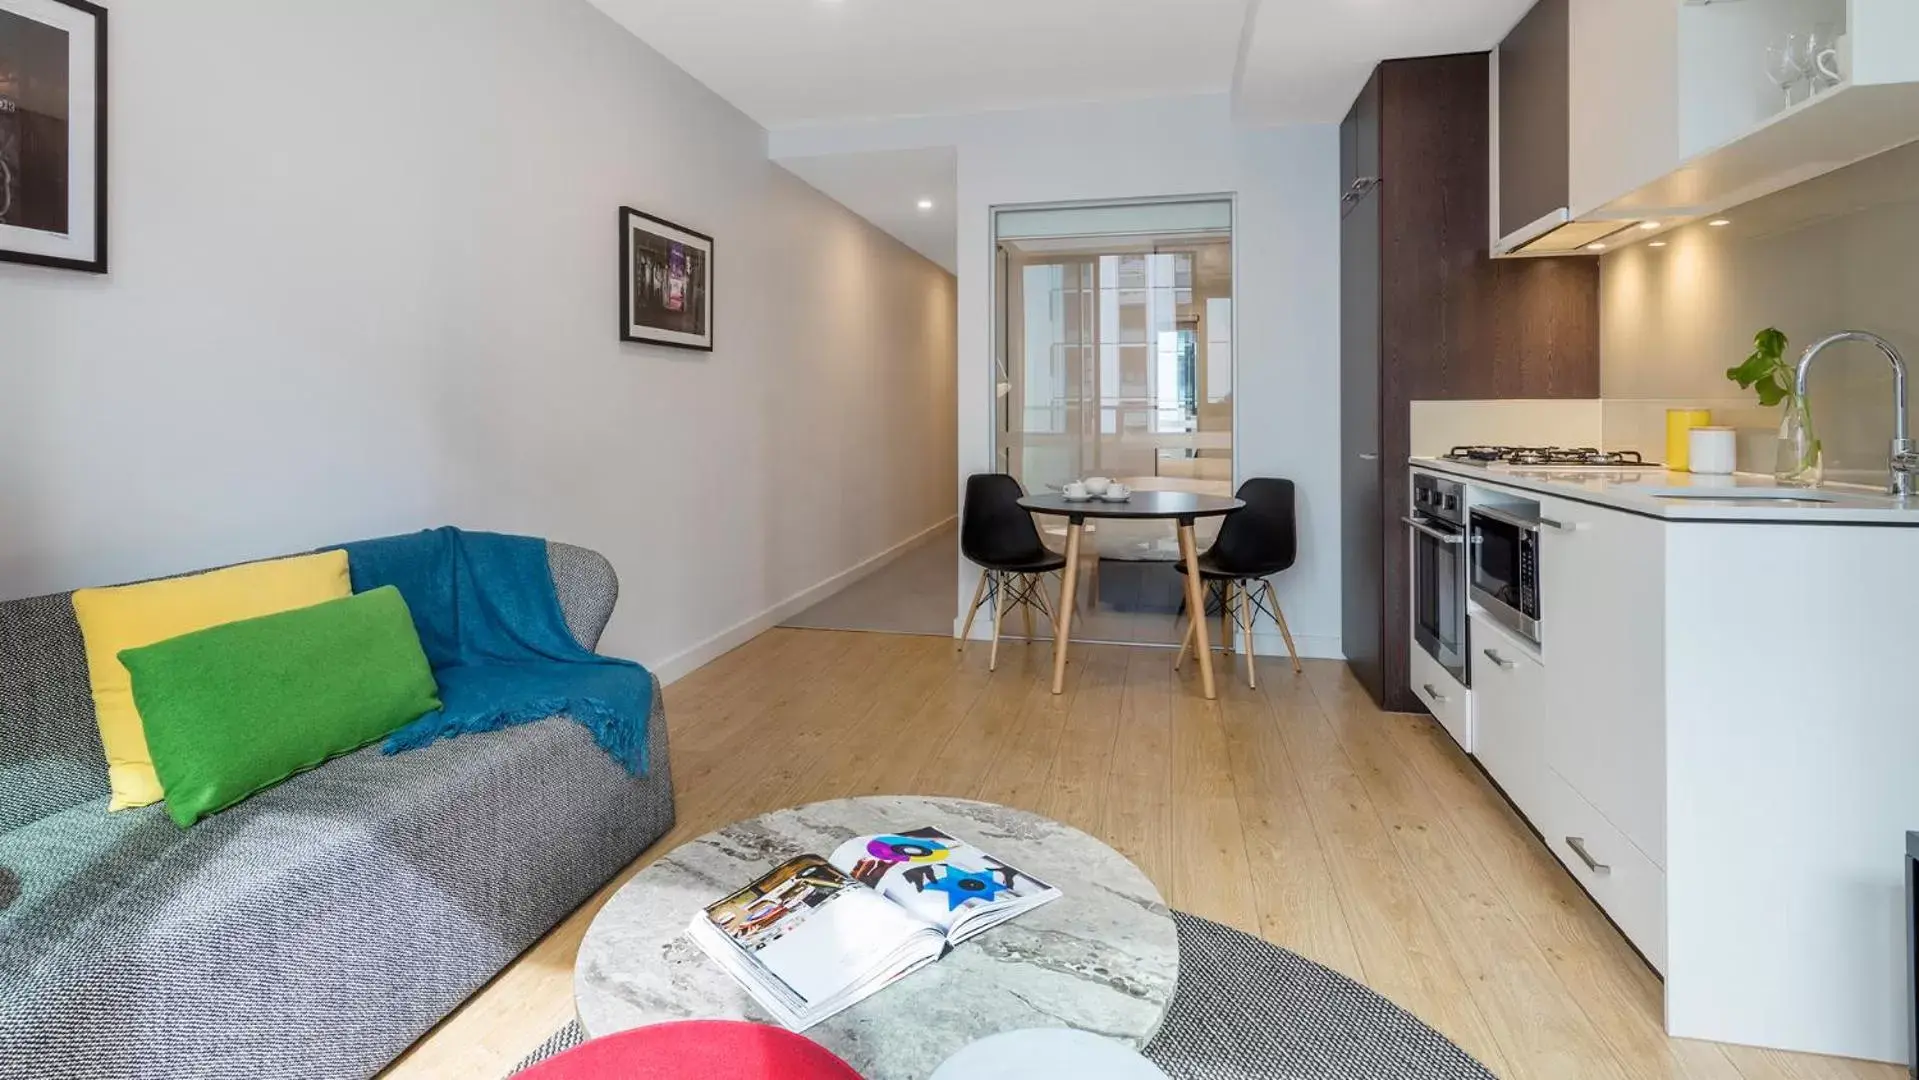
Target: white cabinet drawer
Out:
[1626,884]
[1604,628]
[1509,704]
[1444,696]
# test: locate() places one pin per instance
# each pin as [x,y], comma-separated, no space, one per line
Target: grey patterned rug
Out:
[1246,1009]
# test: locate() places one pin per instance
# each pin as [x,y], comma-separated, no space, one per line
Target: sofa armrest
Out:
[587,587]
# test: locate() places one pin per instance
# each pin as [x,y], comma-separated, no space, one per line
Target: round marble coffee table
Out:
[1102,958]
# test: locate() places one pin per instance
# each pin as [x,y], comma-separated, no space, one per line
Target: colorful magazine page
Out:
[807,940]
[943,881]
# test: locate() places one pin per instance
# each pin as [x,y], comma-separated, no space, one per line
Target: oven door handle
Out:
[1440,535]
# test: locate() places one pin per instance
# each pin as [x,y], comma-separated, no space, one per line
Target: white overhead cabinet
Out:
[1671,113]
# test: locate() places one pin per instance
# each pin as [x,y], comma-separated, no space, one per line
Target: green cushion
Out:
[237,708]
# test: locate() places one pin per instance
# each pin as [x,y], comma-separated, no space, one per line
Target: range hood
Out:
[1557,234]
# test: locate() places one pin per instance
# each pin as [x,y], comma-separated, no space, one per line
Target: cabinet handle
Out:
[1369,457]
[1504,664]
[1578,844]
[1433,693]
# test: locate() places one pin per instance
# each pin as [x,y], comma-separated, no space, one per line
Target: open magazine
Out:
[814,936]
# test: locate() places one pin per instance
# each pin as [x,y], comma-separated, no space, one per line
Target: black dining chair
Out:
[998,535]
[1254,543]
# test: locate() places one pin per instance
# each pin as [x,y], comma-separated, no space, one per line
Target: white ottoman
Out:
[1047,1054]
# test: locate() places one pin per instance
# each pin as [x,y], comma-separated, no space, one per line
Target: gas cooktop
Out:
[1549,457]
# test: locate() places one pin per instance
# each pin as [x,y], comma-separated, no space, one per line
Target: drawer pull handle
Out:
[1433,692]
[1578,844]
[1504,664]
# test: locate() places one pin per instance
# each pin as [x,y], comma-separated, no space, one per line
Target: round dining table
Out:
[1181,507]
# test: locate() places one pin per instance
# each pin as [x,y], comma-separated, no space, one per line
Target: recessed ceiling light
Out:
[1719,222]
[1657,243]
[926,204]
[1649,225]
[1595,246]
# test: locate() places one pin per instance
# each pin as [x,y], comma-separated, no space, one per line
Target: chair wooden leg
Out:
[1185,645]
[1028,582]
[1284,631]
[967,631]
[999,610]
[1226,617]
[1246,635]
[1045,602]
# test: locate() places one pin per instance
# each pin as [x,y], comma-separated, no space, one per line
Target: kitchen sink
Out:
[1771,494]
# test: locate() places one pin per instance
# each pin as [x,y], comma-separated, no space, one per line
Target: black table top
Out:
[1182,505]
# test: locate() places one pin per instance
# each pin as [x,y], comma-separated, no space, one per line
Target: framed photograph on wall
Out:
[53,134]
[666,282]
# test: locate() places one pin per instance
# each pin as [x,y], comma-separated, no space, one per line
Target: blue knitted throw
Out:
[492,628]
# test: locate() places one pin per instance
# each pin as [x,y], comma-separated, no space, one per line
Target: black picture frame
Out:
[652,322]
[93,260]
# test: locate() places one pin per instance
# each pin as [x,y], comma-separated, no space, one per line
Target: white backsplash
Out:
[1608,424]
[1438,426]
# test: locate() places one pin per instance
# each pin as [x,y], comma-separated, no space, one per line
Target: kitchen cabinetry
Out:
[1427,315]
[1509,713]
[1533,117]
[1713,740]
[1604,652]
[1669,115]
[1623,114]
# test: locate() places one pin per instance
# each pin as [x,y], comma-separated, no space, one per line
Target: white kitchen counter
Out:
[1638,491]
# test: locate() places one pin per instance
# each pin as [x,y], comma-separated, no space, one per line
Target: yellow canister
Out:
[1679,425]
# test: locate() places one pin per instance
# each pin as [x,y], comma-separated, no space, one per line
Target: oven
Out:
[1438,527]
[1504,540]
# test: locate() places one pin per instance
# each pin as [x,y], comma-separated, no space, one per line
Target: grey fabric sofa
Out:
[315,930]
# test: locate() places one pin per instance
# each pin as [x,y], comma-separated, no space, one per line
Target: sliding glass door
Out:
[1116,349]
[1115,359]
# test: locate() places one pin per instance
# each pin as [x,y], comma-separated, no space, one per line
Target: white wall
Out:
[365,281]
[1835,253]
[1285,181]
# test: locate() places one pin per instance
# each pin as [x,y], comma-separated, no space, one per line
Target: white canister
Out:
[1714,450]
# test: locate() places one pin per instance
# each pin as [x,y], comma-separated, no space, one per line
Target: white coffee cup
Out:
[1097,485]
[1714,451]
[1076,490]
[1118,491]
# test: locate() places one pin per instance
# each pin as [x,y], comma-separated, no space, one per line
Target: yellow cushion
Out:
[132,616]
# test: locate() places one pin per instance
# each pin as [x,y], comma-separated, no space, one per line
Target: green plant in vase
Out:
[1768,373]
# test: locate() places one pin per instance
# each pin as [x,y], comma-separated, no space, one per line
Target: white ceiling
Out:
[812,63]
[790,62]
[1305,60]
[886,187]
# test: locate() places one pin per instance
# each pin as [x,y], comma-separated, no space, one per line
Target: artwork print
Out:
[53,134]
[666,282]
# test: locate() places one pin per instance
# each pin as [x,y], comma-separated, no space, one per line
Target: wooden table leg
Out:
[1196,603]
[1069,587]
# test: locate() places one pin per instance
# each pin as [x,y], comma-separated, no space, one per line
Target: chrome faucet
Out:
[1904,461]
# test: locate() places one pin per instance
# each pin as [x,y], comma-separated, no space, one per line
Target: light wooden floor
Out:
[1298,812]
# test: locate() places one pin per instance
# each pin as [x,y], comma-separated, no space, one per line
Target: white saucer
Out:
[1081,498]
[1117,498]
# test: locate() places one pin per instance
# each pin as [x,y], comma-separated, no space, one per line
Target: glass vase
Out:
[1798,459]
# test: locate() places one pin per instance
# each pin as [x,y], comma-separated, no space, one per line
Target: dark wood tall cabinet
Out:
[1427,314]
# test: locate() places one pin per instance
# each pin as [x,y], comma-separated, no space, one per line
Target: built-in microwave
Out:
[1505,564]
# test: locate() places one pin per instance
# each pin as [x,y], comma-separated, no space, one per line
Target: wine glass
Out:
[1783,65]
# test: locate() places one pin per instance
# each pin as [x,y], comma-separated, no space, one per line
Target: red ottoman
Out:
[696,1050]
